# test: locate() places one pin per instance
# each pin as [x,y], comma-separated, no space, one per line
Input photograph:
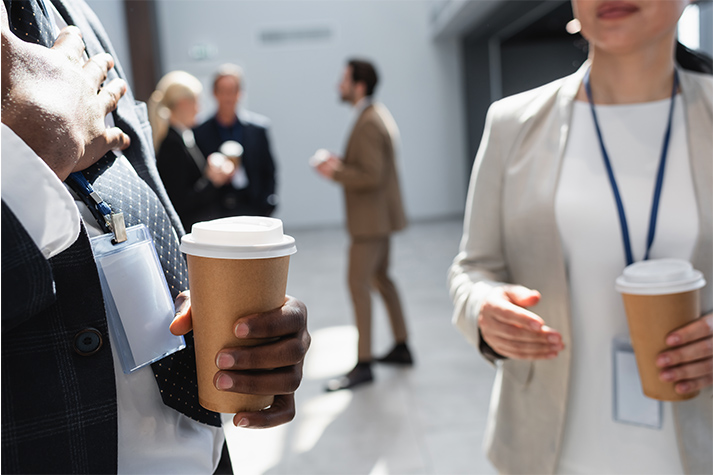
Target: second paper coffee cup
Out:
[237,266]
[660,295]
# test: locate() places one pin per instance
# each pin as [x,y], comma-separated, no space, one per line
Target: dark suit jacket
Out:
[181,169]
[58,406]
[259,199]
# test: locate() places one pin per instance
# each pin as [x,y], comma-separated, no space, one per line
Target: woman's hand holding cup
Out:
[689,362]
[219,169]
[512,330]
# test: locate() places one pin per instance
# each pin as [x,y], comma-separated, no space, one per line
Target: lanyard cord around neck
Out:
[659,174]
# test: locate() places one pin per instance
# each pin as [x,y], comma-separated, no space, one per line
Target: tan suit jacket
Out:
[369,176]
[510,236]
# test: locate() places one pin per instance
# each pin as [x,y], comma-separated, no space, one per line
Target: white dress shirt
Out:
[588,223]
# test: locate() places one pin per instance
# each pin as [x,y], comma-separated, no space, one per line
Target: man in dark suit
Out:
[66,408]
[252,190]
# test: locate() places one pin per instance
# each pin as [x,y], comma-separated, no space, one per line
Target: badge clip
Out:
[116,223]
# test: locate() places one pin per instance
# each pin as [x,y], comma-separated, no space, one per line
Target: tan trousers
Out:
[368,267]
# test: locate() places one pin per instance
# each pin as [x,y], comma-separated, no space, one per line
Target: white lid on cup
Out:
[238,237]
[231,148]
[659,277]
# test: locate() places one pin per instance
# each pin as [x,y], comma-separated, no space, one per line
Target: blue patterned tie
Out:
[29,20]
[120,187]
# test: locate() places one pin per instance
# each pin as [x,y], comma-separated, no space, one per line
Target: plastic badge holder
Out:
[138,303]
[629,405]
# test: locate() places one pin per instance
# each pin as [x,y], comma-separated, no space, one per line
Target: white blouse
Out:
[589,226]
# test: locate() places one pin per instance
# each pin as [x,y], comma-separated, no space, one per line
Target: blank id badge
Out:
[630,406]
[139,306]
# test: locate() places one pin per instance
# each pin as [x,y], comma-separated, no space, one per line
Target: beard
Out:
[346,96]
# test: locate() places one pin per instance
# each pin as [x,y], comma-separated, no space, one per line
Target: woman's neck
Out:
[642,76]
[177,124]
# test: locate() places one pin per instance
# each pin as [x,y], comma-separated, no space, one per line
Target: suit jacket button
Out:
[88,341]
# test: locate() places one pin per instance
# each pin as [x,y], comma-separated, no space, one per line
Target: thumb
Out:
[183,321]
[522,296]
[116,139]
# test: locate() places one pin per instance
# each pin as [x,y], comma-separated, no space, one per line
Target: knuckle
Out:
[488,308]
[247,385]
[708,345]
[113,99]
[680,373]
[709,322]
[298,351]
[294,380]
[306,341]
[708,366]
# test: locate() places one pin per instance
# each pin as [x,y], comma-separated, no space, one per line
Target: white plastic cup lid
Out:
[659,277]
[320,156]
[238,237]
[231,148]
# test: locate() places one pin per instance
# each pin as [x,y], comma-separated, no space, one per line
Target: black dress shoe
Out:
[400,354]
[359,375]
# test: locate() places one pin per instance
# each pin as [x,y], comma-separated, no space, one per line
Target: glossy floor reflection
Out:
[425,420]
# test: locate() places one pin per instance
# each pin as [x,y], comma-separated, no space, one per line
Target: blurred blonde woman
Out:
[191,181]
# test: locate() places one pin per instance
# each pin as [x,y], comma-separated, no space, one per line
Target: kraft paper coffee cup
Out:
[660,295]
[233,150]
[236,266]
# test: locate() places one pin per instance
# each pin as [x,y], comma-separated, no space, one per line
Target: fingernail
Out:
[673,340]
[225,361]
[224,382]
[663,360]
[536,325]
[241,330]
[667,376]
[553,338]
[683,388]
[244,422]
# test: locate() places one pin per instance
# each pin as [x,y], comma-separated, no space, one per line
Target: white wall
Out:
[294,83]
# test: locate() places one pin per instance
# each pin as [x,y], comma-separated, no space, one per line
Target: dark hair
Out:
[364,71]
[693,60]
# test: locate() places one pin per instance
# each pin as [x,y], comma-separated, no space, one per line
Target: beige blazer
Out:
[510,236]
[369,176]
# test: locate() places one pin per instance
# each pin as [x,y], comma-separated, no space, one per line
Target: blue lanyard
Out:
[612,180]
[107,219]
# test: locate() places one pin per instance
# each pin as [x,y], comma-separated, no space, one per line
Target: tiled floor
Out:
[425,420]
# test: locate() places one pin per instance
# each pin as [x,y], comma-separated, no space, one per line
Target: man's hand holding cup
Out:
[274,368]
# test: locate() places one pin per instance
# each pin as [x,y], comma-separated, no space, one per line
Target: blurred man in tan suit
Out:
[368,174]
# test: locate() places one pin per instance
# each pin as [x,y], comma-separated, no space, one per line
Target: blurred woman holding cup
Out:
[191,181]
[573,181]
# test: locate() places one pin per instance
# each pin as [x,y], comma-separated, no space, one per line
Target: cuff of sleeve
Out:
[38,198]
